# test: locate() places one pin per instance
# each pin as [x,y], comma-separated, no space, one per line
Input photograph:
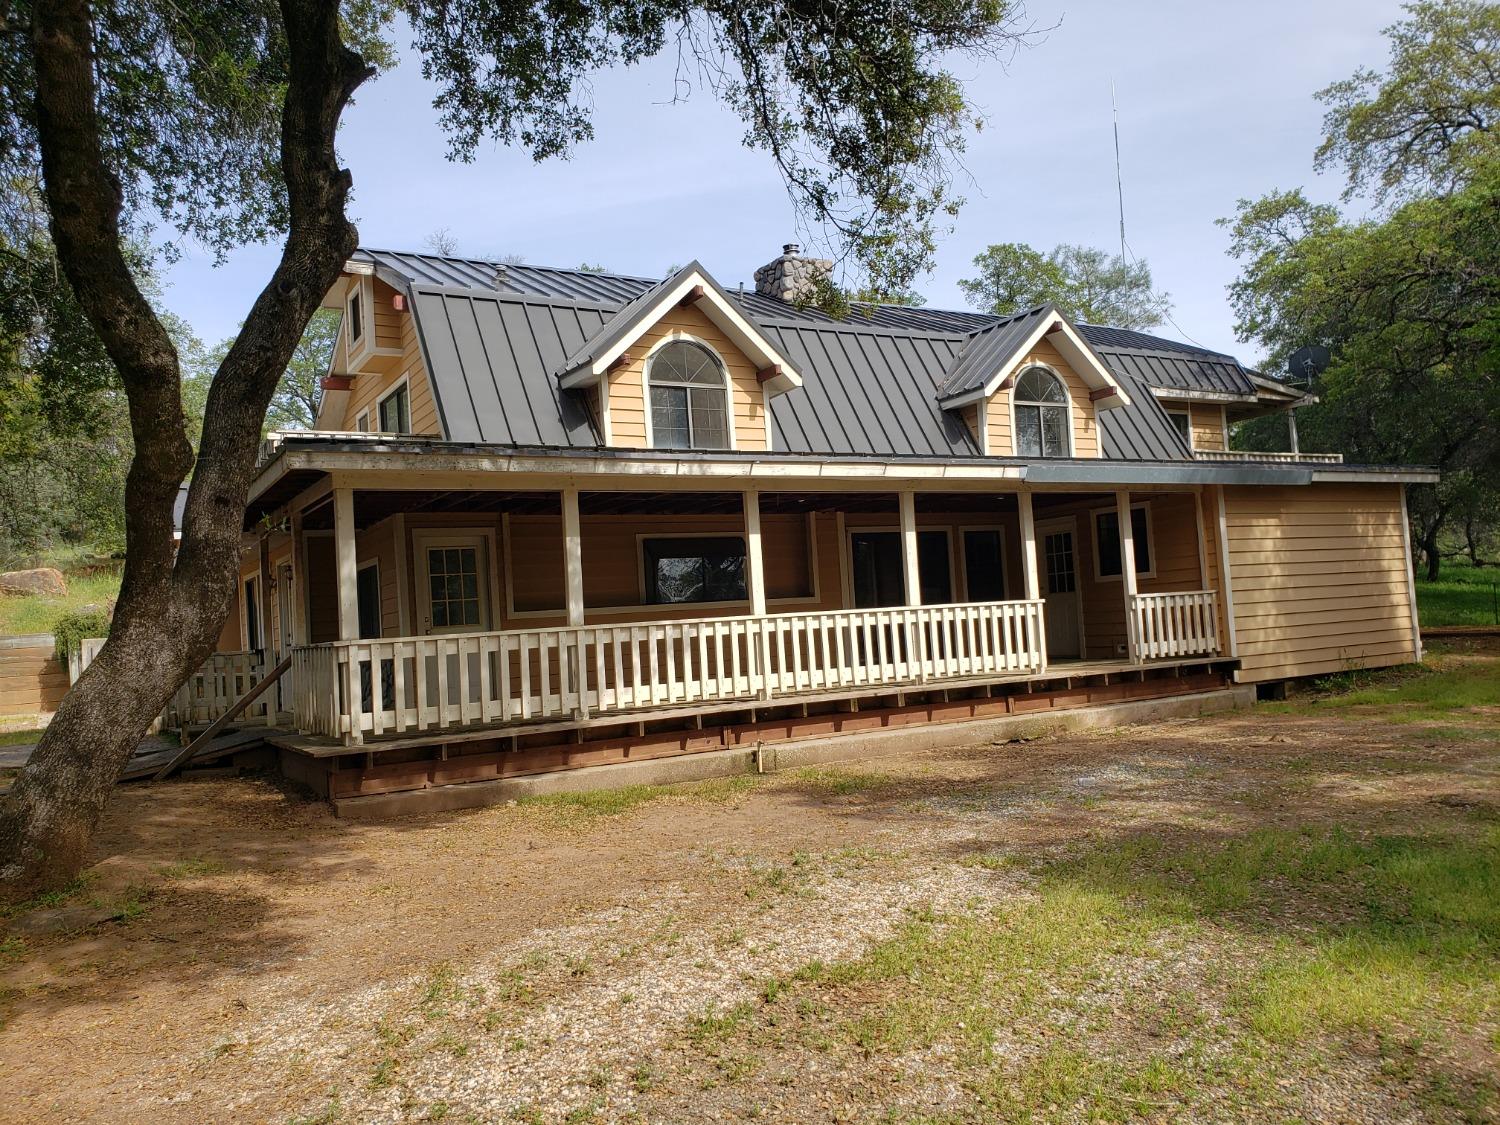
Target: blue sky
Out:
[1215,104]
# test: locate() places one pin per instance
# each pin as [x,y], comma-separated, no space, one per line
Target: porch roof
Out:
[297,460]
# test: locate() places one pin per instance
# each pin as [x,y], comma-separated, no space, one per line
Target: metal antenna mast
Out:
[1119,182]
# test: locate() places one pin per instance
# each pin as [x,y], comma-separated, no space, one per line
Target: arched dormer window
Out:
[689,403]
[1040,402]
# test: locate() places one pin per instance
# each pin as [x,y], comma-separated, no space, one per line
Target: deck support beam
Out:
[1127,571]
[346,563]
[911,576]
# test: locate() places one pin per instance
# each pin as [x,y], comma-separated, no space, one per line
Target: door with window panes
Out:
[455,592]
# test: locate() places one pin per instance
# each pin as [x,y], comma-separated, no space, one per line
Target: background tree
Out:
[1085,283]
[1407,301]
[220,122]
[294,403]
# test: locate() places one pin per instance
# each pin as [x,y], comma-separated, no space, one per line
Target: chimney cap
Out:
[791,249]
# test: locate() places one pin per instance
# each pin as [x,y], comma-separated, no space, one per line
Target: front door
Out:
[454,584]
[1060,587]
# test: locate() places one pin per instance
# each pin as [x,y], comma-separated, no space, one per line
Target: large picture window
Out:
[1107,542]
[689,406]
[707,569]
[1041,408]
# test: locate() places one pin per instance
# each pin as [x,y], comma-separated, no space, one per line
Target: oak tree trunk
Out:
[172,603]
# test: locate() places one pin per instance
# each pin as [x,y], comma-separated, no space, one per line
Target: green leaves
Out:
[1087,284]
[1429,122]
[852,102]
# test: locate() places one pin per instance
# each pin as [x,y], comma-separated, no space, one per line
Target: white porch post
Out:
[1127,571]
[1030,577]
[755,581]
[755,566]
[1028,548]
[911,578]
[298,592]
[346,563]
[573,555]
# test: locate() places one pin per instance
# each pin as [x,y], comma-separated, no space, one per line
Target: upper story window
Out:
[689,402]
[1183,421]
[356,316]
[395,411]
[1041,408]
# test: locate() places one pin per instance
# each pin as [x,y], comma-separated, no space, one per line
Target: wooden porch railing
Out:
[213,689]
[1168,625]
[1245,455]
[349,689]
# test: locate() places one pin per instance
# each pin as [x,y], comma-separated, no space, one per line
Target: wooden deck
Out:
[1062,676]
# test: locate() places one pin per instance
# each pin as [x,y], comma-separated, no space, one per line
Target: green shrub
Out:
[70,630]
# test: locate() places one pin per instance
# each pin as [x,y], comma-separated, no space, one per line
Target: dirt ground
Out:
[812,946]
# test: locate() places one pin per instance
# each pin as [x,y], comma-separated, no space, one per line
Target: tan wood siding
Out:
[1085,423]
[394,329]
[627,398]
[1174,562]
[1207,422]
[1321,582]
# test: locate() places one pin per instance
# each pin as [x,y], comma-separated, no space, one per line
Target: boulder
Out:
[46,581]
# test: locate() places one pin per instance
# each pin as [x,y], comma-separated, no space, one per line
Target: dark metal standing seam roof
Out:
[865,390]
[989,350]
[491,356]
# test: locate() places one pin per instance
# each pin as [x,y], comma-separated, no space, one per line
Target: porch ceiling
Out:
[373,505]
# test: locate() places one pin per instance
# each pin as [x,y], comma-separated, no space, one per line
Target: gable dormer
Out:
[1031,386]
[681,367]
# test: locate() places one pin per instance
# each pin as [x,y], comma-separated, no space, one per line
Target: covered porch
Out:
[449,614]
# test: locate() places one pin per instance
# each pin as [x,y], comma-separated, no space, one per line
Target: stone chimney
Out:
[791,277]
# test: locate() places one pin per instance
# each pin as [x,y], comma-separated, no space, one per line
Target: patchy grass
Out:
[19,737]
[843,781]
[91,581]
[616,802]
[1462,595]
[1443,688]
[1193,973]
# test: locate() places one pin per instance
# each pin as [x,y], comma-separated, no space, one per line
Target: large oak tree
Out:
[218,122]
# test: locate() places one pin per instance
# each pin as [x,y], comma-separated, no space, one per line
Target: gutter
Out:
[351,452]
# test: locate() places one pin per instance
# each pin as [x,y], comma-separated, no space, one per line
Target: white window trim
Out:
[1043,528]
[423,538]
[1010,394]
[963,556]
[359,350]
[514,614]
[379,608]
[395,388]
[1095,513]
[851,531]
[252,643]
[362,421]
[640,566]
[672,338]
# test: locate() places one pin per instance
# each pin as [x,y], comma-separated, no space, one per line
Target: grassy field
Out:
[91,581]
[1463,595]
